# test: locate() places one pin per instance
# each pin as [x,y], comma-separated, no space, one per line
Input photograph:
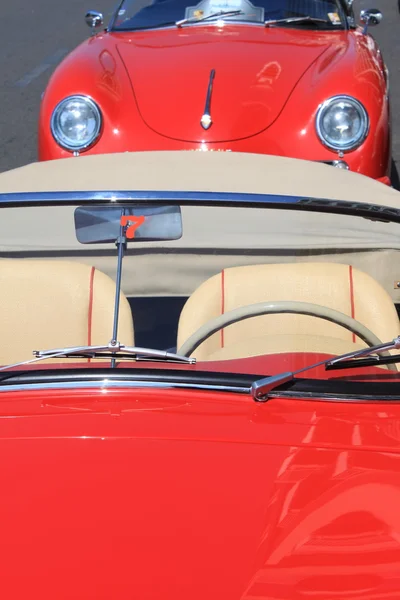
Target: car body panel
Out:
[250,89]
[137,494]
[262,100]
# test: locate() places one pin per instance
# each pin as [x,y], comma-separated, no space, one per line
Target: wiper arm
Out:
[261,388]
[305,19]
[220,13]
[111,350]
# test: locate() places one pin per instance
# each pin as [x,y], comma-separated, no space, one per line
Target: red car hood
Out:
[145,495]
[256,70]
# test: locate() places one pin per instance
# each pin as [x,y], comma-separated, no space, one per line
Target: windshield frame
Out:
[382,387]
[342,4]
[373,212]
[365,210]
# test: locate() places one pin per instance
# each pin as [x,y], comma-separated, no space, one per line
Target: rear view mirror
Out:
[140,223]
[371,16]
[94,19]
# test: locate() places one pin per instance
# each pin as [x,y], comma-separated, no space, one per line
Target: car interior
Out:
[60,291]
[72,304]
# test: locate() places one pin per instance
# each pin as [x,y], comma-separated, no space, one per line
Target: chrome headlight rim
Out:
[99,122]
[349,147]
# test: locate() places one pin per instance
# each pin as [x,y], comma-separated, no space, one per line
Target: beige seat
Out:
[337,286]
[47,304]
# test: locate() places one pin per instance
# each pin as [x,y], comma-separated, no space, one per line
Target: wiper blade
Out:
[261,388]
[220,13]
[305,19]
[370,361]
[111,350]
[347,360]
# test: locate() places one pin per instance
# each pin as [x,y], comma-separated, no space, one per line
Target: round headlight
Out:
[76,123]
[342,123]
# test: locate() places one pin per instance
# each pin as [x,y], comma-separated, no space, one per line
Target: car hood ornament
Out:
[206,120]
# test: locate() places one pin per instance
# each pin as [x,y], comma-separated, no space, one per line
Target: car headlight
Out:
[76,123]
[342,123]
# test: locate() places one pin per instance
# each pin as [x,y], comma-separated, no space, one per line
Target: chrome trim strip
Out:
[330,397]
[361,209]
[106,384]
[106,196]
[206,120]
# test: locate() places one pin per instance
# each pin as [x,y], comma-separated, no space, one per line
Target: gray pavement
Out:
[36,36]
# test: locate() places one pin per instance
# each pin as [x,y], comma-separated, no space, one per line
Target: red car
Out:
[228,426]
[292,78]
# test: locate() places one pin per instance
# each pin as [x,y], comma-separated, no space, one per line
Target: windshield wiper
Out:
[261,388]
[111,350]
[305,19]
[220,13]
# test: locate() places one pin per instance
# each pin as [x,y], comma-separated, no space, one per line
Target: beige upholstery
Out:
[51,304]
[340,287]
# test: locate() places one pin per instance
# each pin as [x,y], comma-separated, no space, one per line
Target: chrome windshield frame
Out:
[373,212]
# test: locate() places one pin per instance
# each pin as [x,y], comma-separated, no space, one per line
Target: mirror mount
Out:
[370,17]
[94,20]
[120,224]
[121,244]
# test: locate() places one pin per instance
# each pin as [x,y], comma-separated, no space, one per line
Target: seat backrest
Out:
[47,304]
[337,286]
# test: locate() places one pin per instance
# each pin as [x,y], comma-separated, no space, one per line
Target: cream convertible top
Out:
[198,171]
[373,247]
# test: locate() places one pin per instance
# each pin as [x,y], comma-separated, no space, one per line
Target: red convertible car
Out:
[199,386]
[294,78]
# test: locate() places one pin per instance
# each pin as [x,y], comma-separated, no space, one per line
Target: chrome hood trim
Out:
[206,120]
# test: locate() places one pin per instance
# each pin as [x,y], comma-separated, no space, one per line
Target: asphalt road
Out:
[36,36]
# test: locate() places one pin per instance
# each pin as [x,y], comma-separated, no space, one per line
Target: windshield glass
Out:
[137,14]
[188,266]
